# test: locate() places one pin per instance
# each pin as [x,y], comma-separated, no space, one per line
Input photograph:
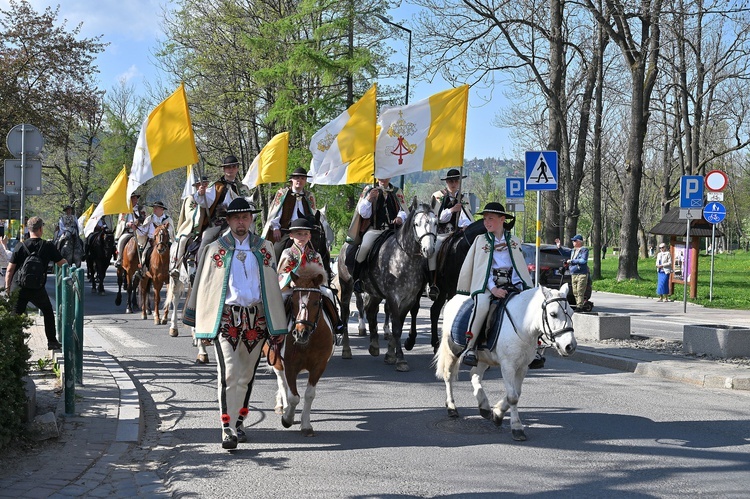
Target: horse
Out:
[128,276]
[396,273]
[70,247]
[532,314]
[99,252]
[450,258]
[307,348]
[157,273]
[178,285]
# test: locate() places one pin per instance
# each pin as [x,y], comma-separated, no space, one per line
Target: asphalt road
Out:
[593,432]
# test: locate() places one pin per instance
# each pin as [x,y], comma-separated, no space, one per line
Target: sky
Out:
[131,27]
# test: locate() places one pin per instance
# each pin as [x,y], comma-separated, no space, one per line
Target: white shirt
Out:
[501,260]
[243,288]
[445,215]
[151,223]
[364,208]
[208,199]
[298,208]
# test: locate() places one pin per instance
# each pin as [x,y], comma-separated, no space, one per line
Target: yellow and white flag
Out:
[85,218]
[270,165]
[343,150]
[189,189]
[113,202]
[428,135]
[166,141]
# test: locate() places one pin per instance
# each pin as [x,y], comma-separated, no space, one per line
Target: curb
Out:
[699,373]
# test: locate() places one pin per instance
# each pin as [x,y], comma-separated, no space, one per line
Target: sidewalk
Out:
[101,451]
[93,455]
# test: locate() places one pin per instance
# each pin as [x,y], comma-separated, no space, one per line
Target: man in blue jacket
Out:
[578,258]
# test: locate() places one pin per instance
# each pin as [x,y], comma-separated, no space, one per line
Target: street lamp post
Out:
[408,65]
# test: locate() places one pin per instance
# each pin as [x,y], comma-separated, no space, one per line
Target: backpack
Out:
[33,272]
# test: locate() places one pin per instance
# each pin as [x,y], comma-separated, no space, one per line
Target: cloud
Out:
[130,19]
[130,74]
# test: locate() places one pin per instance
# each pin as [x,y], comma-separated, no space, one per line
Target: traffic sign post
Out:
[25,142]
[541,175]
[714,213]
[691,201]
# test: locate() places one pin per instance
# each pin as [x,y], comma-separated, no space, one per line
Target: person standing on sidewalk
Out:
[236,304]
[663,269]
[578,259]
[46,252]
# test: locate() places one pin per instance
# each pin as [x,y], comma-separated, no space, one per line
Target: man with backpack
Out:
[28,264]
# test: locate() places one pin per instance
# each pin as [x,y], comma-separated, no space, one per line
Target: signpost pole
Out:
[685,268]
[23,188]
[538,234]
[713,250]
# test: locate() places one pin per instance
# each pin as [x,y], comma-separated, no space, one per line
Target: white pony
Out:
[535,313]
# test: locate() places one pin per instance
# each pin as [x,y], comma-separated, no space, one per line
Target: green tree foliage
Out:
[14,358]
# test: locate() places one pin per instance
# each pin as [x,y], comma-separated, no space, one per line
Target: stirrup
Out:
[358,286]
[433,292]
[470,358]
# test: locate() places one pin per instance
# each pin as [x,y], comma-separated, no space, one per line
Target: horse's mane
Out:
[310,272]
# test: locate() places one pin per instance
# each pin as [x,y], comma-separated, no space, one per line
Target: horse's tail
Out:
[445,360]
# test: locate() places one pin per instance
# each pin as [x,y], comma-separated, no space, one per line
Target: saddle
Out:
[382,238]
[491,328]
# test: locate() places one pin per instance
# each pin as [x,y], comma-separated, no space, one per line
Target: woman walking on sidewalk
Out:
[663,269]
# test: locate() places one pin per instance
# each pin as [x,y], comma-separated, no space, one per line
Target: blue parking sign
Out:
[514,188]
[691,191]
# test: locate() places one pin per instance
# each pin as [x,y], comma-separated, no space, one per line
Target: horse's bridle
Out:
[304,322]
[547,329]
[417,236]
[163,234]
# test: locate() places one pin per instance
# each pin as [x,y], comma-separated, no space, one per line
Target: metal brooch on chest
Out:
[241,256]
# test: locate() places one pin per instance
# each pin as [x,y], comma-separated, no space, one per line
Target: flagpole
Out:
[408,68]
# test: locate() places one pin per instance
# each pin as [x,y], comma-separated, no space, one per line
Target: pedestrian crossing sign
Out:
[541,170]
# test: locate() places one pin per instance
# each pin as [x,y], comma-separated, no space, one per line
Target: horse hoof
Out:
[202,358]
[374,350]
[285,423]
[118,301]
[307,432]
[174,332]
[409,343]
[452,413]
[346,354]
[163,322]
[144,317]
[485,413]
[390,359]
[498,420]
[278,410]
[362,332]
[518,435]
[402,367]
[102,293]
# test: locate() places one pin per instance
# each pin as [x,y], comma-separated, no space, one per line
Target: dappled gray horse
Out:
[397,274]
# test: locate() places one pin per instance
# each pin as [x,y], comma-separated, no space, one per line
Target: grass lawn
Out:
[731,288]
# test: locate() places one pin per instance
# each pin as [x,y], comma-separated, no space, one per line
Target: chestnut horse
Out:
[157,274]
[307,347]
[127,275]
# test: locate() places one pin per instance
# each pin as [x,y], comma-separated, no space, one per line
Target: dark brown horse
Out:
[157,274]
[307,347]
[126,275]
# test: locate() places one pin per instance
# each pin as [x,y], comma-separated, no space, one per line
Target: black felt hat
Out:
[67,207]
[230,161]
[241,205]
[199,182]
[453,173]
[496,208]
[159,204]
[300,224]
[299,172]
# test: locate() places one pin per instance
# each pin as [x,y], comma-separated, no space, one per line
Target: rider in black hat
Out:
[157,218]
[452,215]
[289,204]
[494,268]
[215,198]
[127,224]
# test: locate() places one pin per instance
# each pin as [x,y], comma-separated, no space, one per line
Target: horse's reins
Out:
[163,234]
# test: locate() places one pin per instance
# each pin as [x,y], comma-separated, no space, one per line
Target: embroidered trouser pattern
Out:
[239,344]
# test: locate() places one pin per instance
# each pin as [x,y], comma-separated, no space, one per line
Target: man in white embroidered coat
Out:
[494,268]
[236,302]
